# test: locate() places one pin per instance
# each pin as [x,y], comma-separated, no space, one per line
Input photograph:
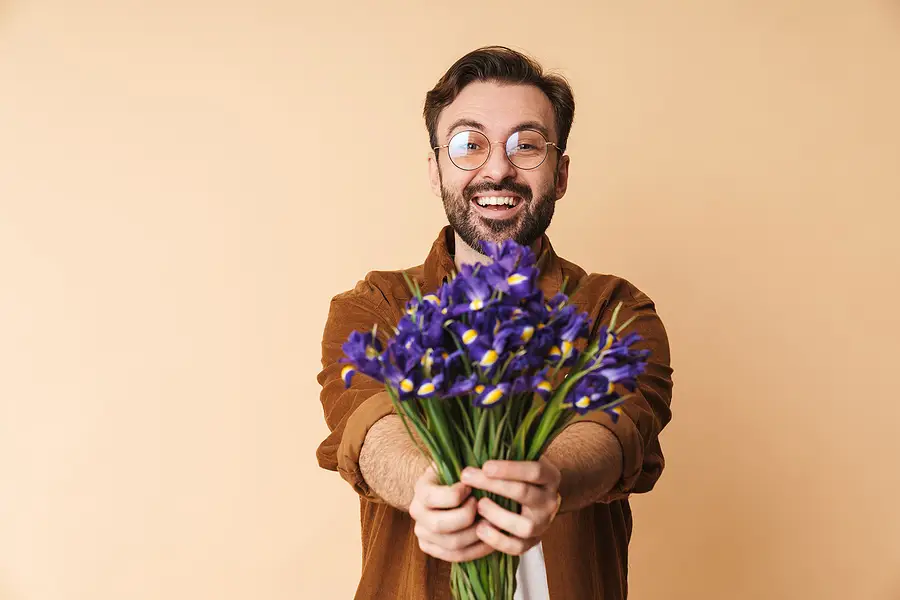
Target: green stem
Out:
[464,411]
[437,417]
[478,445]
[436,457]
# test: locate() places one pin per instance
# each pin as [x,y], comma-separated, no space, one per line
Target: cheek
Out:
[539,181]
[455,179]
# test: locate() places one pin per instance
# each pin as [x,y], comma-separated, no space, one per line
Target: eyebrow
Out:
[464,123]
[472,124]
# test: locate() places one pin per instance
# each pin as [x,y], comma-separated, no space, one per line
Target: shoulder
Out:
[599,290]
[382,290]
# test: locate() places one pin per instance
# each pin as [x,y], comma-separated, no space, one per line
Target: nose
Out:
[497,168]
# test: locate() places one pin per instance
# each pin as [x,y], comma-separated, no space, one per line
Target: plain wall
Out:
[185,184]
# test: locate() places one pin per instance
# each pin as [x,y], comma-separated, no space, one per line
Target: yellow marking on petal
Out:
[346,371]
[371,352]
[444,311]
[516,279]
[545,386]
[566,348]
[406,385]
[610,388]
[583,402]
[492,397]
[432,298]
[617,410]
[476,304]
[541,325]
[608,344]
[527,332]
[479,388]
[489,358]
[469,336]
[555,351]
[426,388]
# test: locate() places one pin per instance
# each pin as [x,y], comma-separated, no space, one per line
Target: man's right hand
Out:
[445,520]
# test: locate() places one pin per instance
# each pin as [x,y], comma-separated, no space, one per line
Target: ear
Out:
[562,176]
[434,174]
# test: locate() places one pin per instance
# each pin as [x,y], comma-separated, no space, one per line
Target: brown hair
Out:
[498,63]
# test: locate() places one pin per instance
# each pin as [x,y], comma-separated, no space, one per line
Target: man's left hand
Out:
[533,484]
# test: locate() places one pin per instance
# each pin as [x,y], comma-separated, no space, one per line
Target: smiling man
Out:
[498,127]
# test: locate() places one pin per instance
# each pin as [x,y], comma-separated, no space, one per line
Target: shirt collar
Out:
[439,265]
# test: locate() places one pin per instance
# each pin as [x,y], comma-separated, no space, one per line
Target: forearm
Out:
[390,462]
[589,457]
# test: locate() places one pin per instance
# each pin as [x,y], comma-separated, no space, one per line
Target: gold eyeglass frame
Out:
[491,149]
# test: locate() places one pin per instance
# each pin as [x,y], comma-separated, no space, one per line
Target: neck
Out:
[465,254]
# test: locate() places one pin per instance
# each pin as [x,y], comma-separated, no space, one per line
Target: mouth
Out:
[496,206]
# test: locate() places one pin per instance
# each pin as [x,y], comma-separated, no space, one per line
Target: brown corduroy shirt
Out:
[586,550]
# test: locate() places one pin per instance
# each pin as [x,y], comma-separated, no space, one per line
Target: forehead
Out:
[500,108]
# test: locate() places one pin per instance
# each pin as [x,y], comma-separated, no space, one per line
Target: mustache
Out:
[506,185]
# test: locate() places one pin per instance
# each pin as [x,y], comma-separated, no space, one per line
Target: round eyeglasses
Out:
[526,149]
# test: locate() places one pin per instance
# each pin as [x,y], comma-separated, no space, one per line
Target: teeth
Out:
[496,201]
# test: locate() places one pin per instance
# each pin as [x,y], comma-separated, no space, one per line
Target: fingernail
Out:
[466,474]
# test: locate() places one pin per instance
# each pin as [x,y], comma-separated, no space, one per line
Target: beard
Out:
[525,228]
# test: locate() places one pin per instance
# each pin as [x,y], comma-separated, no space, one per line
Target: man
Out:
[498,127]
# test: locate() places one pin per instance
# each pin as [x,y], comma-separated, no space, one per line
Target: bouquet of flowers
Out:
[488,368]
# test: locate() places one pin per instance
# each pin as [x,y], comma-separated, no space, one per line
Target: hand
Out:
[445,518]
[533,484]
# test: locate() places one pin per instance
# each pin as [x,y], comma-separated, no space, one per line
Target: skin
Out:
[498,110]
[585,461]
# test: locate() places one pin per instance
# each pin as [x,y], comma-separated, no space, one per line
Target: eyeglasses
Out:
[526,149]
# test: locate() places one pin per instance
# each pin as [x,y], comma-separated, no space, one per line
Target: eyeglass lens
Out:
[469,150]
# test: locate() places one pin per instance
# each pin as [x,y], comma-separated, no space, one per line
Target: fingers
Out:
[526,494]
[444,517]
[449,541]
[516,524]
[434,495]
[494,538]
[538,472]
[475,551]
[445,521]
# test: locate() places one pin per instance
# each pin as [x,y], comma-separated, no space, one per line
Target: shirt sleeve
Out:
[350,412]
[648,410]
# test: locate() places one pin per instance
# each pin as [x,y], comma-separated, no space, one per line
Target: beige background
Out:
[184,185]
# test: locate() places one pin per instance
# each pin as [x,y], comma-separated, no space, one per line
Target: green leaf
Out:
[467,420]
[626,324]
[615,315]
[522,433]
[501,426]
[438,422]
[478,444]
[558,427]
[413,288]
[468,453]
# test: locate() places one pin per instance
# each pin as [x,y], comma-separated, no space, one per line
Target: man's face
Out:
[497,111]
